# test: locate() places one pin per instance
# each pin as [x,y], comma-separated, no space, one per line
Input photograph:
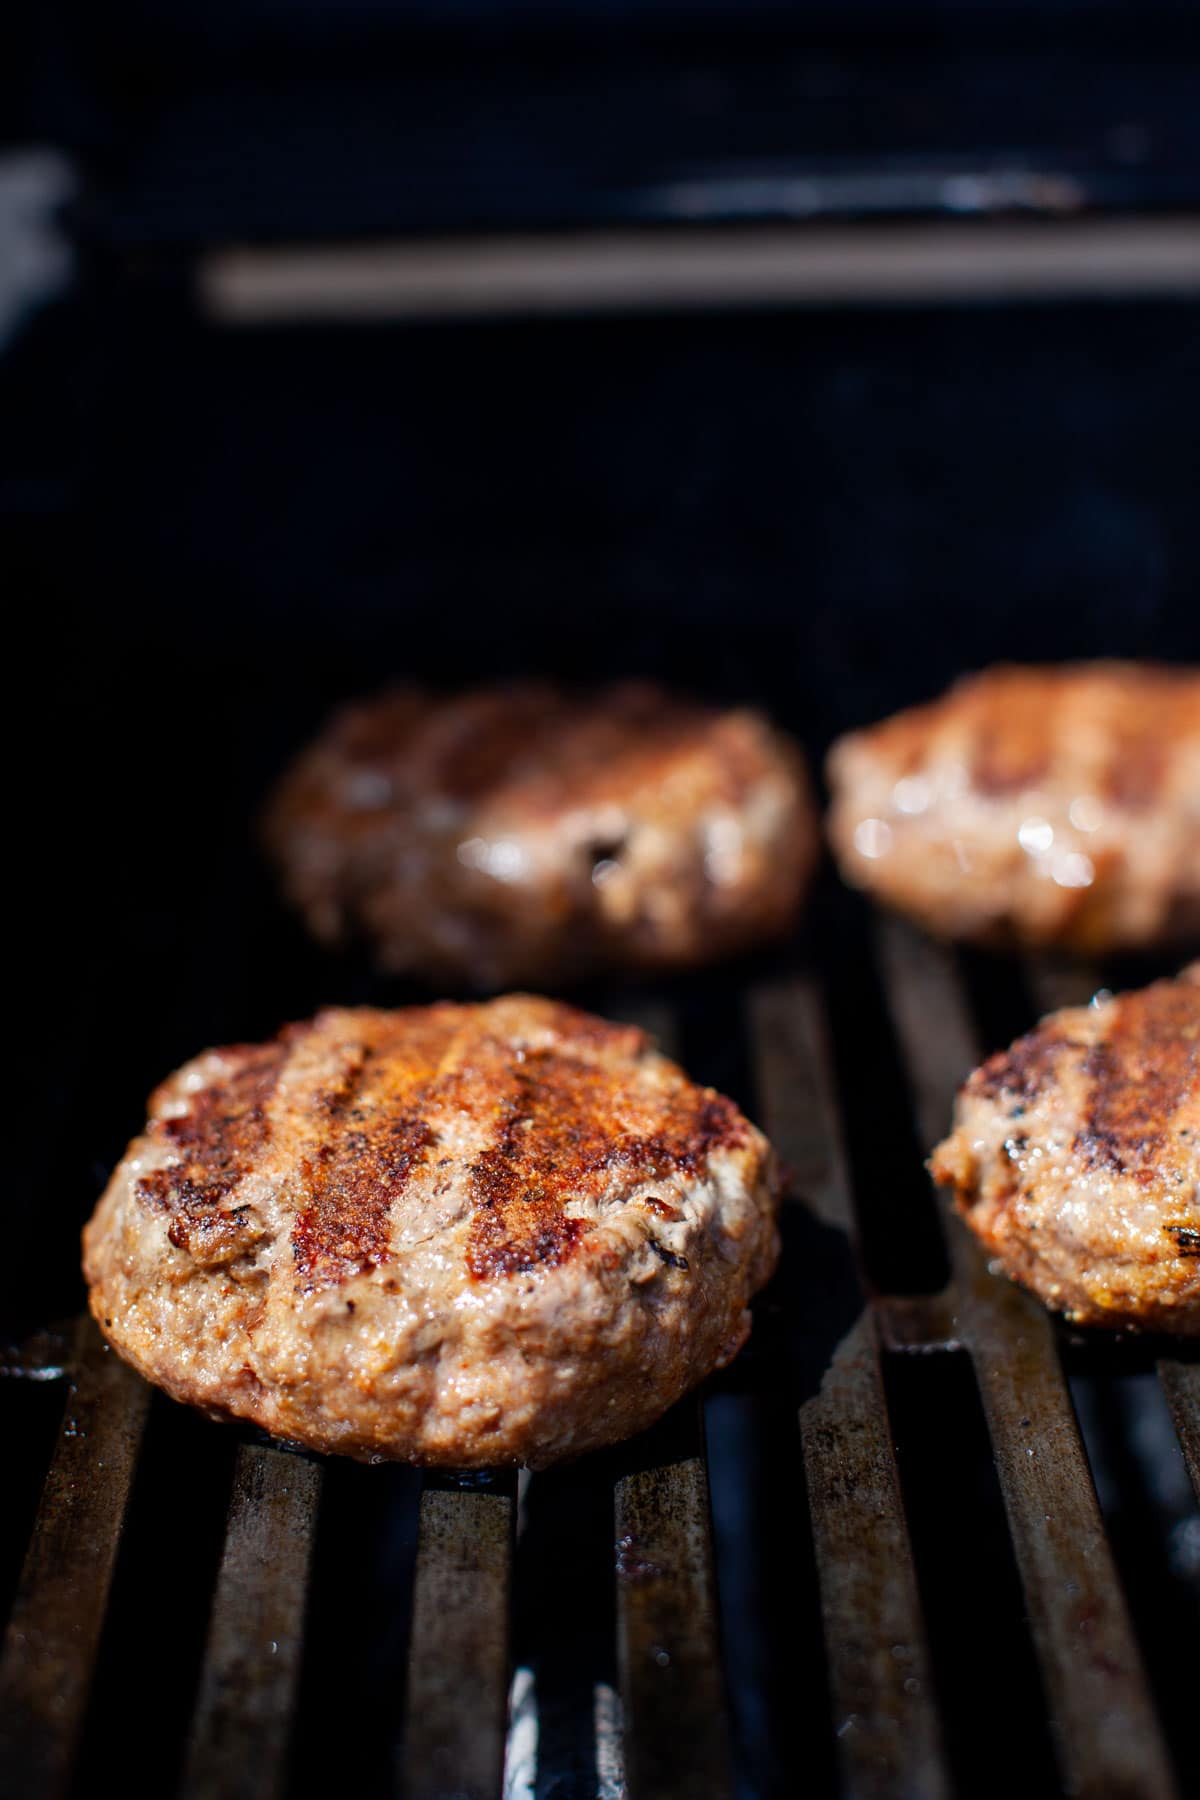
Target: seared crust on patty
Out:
[459,1235]
[1075,1156]
[527,834]
[1038,805]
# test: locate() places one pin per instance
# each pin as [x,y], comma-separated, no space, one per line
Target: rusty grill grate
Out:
[644,1665]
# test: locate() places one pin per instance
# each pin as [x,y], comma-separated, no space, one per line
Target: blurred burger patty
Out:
[525,834]
[1037,805]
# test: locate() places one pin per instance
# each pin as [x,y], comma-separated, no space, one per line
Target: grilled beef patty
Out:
[459,1235]
[1075,1156]
[528,835]
[1036,805]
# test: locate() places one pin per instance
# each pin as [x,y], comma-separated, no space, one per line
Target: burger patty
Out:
[1075,1156]
[1037,805]
[460,1235]
[525,834]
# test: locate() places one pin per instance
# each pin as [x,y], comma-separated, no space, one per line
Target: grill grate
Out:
[882,1726]
[252,1660]
[458,1662]
[54,1629]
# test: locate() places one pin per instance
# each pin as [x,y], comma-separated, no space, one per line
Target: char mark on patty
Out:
[1011,756]
[219,1137]
[562,1137]
[377,1137]
[1024,1071]
[216,1239]
[1134,777]
[1142,1070]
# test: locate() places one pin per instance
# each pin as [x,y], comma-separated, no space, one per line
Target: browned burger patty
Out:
[1075,1156]
[1042,805]
[463,1235]
[525,834]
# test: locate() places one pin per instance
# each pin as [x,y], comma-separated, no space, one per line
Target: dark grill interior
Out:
[915,1591]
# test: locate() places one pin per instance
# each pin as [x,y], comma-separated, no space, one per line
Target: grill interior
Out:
[877,1556]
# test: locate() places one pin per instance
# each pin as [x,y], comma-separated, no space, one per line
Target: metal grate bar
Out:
[53,1634]
[885,1720]
[886,1723]
[1181,1384]
[677,1739]
[792,1064]
[1055,983]
[458,1659]
[42,1357]
[1106,1731]
[239,1737]
[657,1020]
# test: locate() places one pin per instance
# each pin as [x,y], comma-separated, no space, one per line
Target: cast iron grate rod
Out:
[1181,1384]
[237,1749]
[885,1719]
[54,1629]
[672,1691]
[458,1679]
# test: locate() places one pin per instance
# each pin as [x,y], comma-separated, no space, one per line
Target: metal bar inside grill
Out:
[885,1719]
[1105,1726]
[54,1630]
[677,1742]
[459,1656]
[239,1736]
[1181,1384]
[1055,983]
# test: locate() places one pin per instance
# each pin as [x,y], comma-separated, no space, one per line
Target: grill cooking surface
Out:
[915,1588]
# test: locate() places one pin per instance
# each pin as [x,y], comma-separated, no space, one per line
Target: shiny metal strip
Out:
[886,1724]
[677,1734]
[458,1673]
[239,1738]
[54,1631]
